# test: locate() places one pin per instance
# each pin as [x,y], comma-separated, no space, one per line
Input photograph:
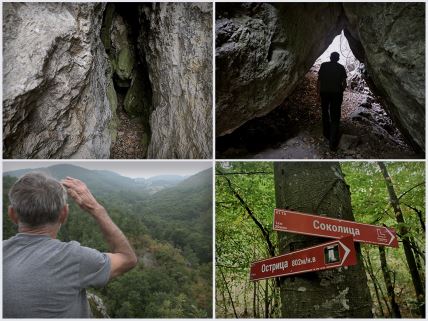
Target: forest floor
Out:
[128,143]
[294,129]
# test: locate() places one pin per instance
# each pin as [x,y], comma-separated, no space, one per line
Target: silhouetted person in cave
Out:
[331,84]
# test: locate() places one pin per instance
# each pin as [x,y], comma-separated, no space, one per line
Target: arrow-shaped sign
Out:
[324,256]
[317,225]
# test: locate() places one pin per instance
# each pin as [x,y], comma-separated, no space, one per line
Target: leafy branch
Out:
[263,230]
[244,173]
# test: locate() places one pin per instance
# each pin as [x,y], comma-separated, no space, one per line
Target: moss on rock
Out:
[112,98]
[125,63]
[137,100]
[106,27]
[145,141]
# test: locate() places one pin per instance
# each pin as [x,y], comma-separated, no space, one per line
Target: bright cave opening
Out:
[293,130]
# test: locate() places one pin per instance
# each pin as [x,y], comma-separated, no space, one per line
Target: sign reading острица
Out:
[324,256]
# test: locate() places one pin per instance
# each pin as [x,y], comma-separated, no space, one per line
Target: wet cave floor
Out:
[128,144]
[294,129]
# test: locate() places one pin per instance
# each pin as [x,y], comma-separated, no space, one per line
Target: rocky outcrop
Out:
[97,306]
[177,41]
[122,51]
[390,39]
[55,100]
[262,51]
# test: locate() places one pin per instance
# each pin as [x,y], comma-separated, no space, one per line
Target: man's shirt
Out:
[47,278]
[331,77]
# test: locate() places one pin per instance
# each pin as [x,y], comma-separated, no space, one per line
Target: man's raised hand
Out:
[81,194]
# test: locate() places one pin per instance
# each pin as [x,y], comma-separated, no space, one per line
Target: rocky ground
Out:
[294,130]
[128,144]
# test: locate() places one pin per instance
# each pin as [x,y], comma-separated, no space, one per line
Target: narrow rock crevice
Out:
[107,80]
[130,90]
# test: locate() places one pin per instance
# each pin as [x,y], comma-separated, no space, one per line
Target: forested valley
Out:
[168,220]
[395,277]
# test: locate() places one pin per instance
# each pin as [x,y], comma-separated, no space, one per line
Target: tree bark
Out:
[230,294]
[266,299]
[395,203]
[254,300]
[376,286]
[319,188]
[389,286]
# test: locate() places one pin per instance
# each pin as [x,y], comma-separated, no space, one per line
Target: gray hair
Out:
[37,199]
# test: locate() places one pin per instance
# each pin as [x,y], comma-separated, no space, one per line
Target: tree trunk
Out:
[319,188]
[389,286]
[266,299]
[417,283]
[254,300]
[230,294]
[376,286]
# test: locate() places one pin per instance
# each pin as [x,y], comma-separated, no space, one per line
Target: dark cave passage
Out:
[294,128]
[131,93]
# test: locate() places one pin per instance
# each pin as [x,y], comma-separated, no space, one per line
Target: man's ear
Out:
[63,214]
[12,215]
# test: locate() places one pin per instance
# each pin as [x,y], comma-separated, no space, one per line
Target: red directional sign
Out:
[324,256]
[316,225]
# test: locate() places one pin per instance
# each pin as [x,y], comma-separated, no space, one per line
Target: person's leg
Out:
[325,103]
[335,108]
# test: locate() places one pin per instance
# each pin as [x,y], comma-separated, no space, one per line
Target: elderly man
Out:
[42,276]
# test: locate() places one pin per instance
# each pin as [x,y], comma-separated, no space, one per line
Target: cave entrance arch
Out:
[294,128]
[364,118]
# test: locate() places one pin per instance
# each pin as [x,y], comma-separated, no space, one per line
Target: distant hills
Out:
[195,190]
[158,183]
[105,181]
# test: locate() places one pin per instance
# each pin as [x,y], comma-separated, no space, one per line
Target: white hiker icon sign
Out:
[331,254]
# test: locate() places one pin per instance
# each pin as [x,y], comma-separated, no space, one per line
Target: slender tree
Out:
[411,262]
[319,188]
[389,286]
[376,285]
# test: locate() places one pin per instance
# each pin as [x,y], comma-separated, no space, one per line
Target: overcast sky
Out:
[339,44]
[132,169]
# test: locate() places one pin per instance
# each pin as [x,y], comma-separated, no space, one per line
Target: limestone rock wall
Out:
[392,36]
[262,52]
[55,103]
[177,42]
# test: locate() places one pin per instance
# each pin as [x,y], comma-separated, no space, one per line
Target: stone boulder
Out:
[176,39]
[122,51]
[55,103]
[263,50]
[390,39]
